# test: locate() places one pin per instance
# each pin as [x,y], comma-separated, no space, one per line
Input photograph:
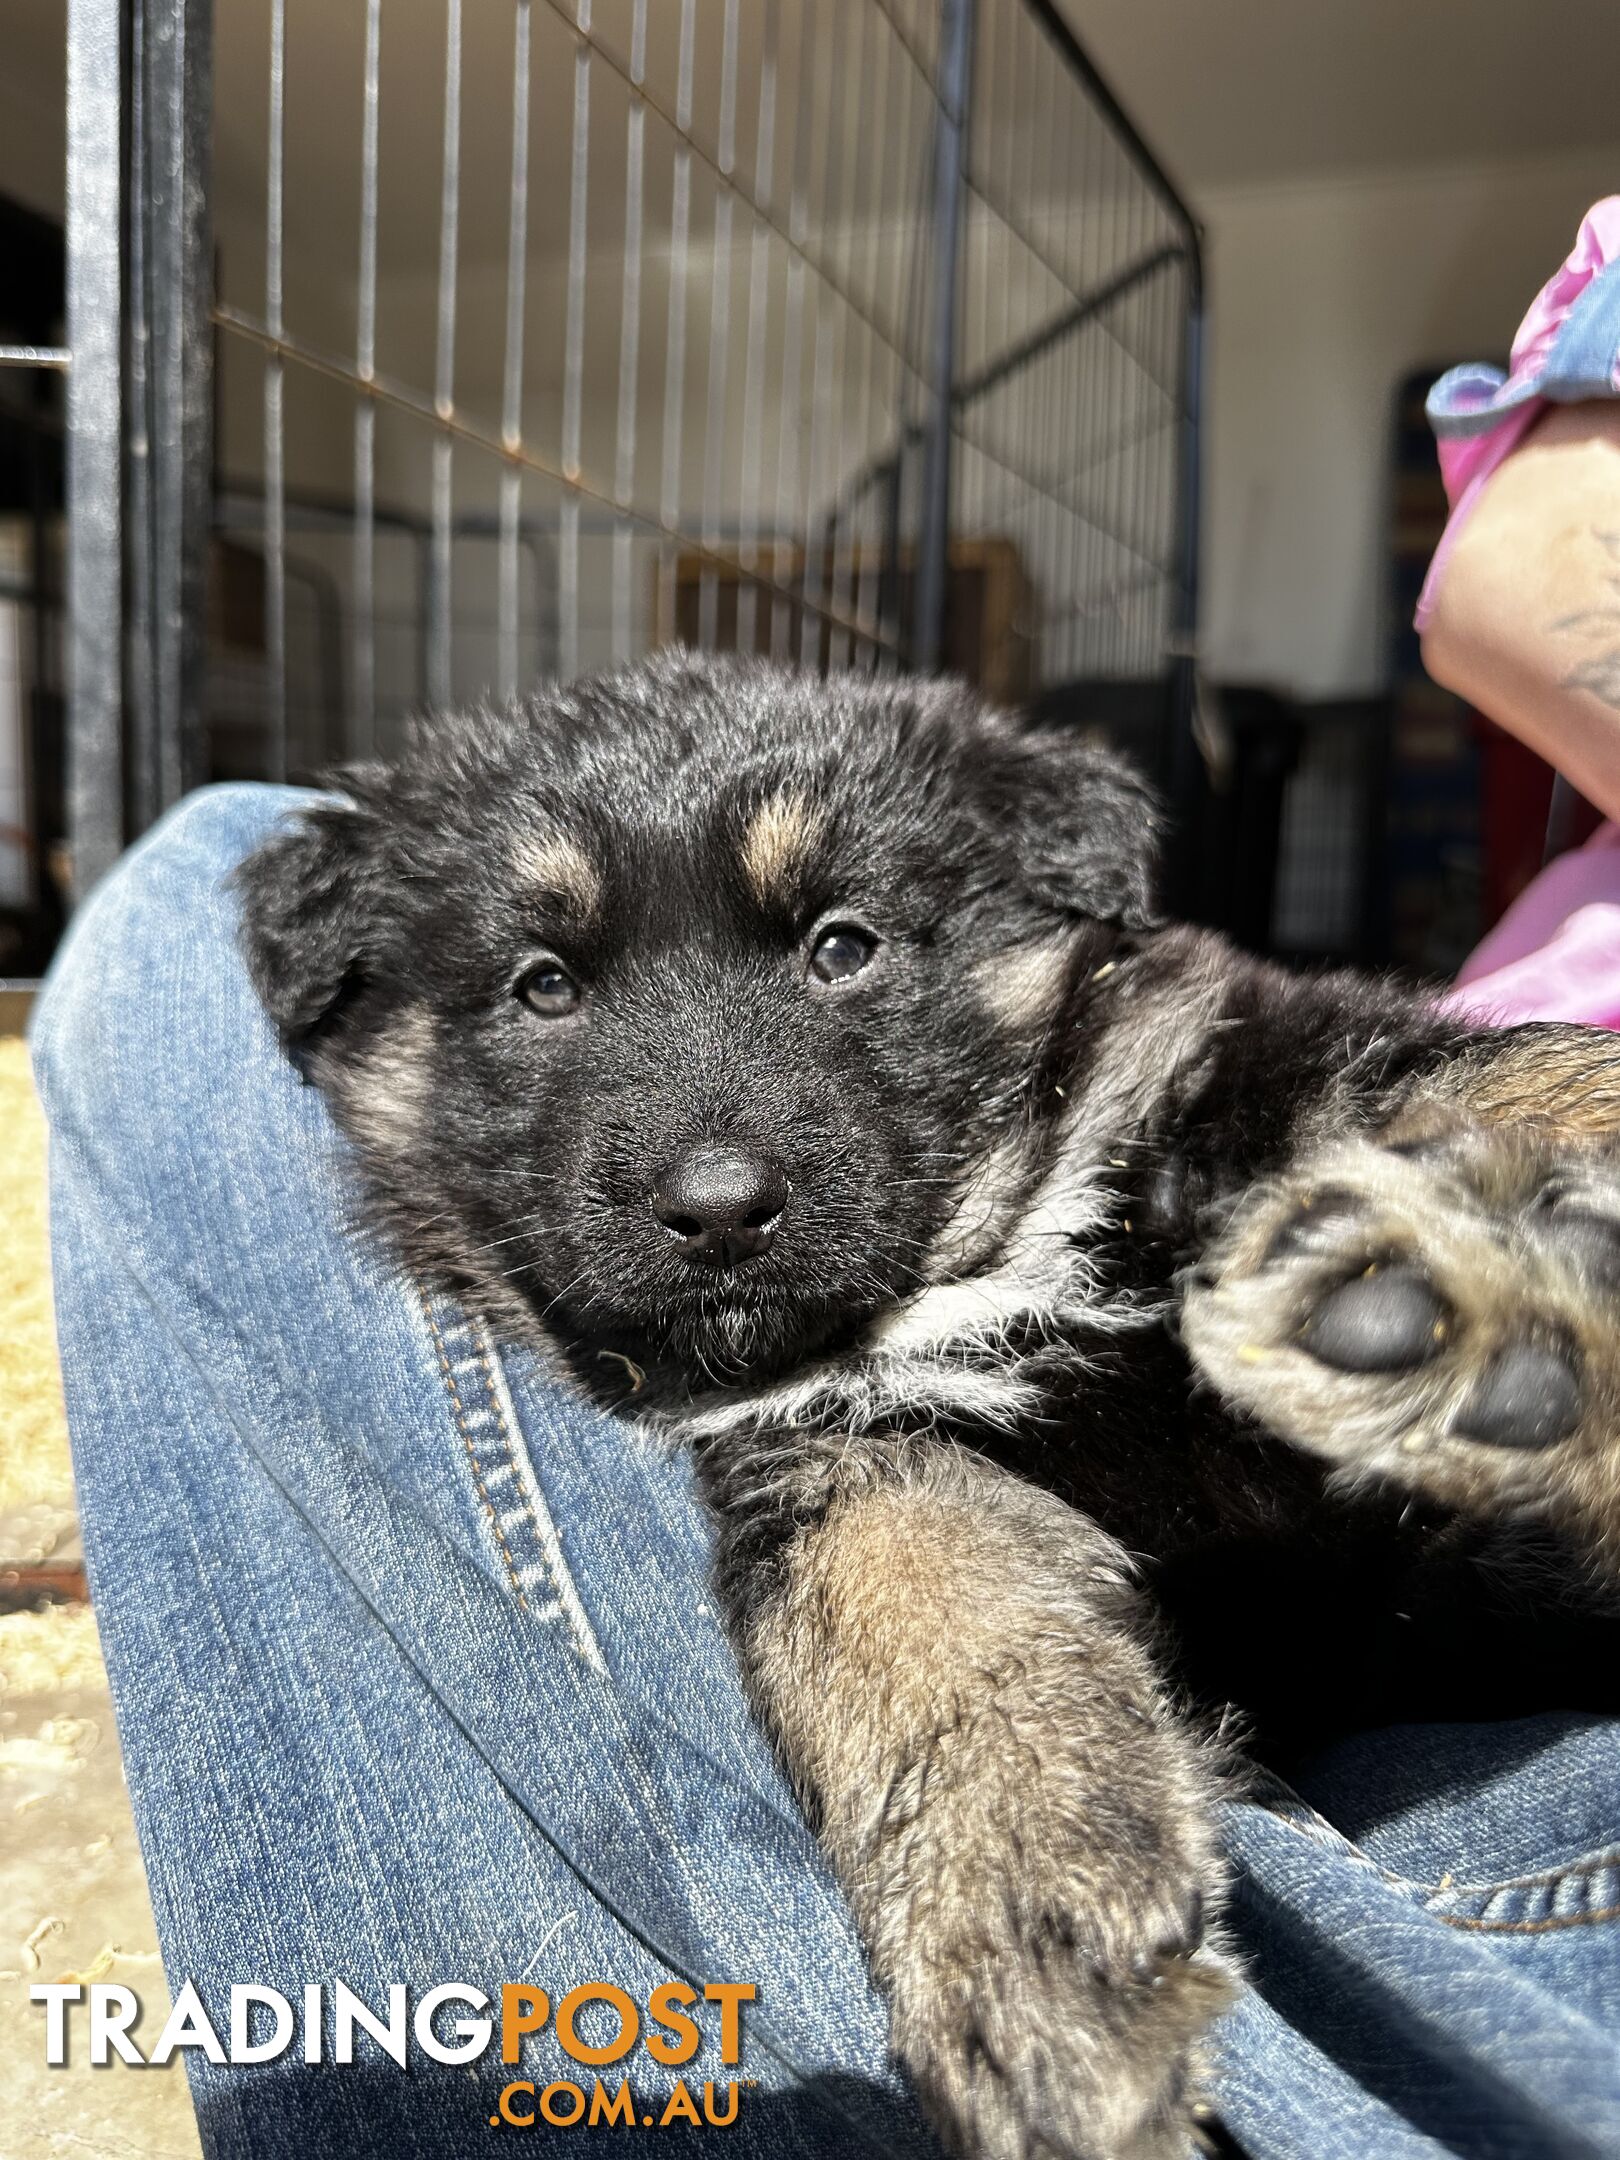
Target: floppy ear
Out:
[310,915]
[1082,825]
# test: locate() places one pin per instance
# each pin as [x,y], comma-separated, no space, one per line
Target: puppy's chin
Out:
[729,1344]
[722,1333]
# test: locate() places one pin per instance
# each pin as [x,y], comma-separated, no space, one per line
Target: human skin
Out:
[1526,623]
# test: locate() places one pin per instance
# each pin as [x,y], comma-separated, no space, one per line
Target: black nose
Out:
[721,1204]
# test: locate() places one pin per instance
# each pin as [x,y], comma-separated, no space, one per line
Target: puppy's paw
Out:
[1442,1311]
[1038,2046]
[1055,1977]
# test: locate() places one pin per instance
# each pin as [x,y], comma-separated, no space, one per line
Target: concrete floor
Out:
[73,1901]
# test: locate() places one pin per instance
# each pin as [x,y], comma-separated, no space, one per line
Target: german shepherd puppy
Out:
[1075,1321]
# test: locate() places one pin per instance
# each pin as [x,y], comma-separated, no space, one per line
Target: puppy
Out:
[1073,1319]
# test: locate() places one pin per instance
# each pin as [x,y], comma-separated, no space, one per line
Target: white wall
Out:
[1323,295]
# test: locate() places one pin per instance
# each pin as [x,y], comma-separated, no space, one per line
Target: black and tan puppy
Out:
[1071,1317]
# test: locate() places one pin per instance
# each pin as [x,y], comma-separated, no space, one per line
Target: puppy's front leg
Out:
[951,1662]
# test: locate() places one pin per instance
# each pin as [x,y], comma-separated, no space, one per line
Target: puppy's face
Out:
[682,1010]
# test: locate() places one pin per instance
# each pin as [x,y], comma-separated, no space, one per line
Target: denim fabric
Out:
[418,1678]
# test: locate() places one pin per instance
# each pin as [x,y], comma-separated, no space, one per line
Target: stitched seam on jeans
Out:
[1594,1864]
[1529,1927]
[544,1533]
[1317,1830]
[540,1532]
[1337,1842]
[1424,1893]
[460,1412]
[482,1346]
[1601,1867]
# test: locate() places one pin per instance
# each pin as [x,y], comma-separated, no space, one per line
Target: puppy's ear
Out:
[310,915]
[1083,827]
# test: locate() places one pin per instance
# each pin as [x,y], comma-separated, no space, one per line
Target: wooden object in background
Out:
[991,610]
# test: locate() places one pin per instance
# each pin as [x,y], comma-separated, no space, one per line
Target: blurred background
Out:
[1080,348]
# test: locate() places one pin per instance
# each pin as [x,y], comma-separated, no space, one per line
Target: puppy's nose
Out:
[721,1204]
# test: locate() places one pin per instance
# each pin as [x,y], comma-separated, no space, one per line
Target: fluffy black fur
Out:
[1039,1150]
[945,829]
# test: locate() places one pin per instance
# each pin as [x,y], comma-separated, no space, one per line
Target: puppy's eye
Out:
[841,952]
[549,990]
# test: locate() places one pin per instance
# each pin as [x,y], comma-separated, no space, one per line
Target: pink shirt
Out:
[1555,955]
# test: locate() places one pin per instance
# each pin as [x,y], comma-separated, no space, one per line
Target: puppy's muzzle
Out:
[721,1204]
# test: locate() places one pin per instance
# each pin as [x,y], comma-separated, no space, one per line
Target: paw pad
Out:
[1529,1396]
[1441,1313]
[1389,1319]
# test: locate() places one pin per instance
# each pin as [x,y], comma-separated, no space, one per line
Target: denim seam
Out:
[563,1591]
[460,1413]
[1547,1926]
[1317,1830]
[1597,1863]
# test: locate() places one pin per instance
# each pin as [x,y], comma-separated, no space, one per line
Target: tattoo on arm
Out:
[1599,671]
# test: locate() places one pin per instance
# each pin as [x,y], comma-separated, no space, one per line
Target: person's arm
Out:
[1526,621]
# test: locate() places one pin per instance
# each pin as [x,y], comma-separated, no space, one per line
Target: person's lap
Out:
[418,1679]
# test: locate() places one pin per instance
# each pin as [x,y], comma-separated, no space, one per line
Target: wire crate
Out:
[423,351]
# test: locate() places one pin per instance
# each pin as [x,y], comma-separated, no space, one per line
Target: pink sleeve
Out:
[1567,349]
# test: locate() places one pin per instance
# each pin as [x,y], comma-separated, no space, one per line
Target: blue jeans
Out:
[418,1678]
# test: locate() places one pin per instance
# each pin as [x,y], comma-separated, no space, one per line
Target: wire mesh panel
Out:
[601,309]
[545,331]
[1071,403]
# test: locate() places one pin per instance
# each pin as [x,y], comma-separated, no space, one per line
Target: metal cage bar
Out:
[275,410]
[945,242]
[96,100]
[363,661]
[512,367]
[178,420]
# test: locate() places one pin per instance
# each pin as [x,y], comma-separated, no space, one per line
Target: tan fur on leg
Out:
[1025,1832]
[1563,1079]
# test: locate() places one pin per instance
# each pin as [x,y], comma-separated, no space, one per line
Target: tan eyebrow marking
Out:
[559,867]
[780,835]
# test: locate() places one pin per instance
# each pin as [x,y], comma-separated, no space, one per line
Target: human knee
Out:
[159,927]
